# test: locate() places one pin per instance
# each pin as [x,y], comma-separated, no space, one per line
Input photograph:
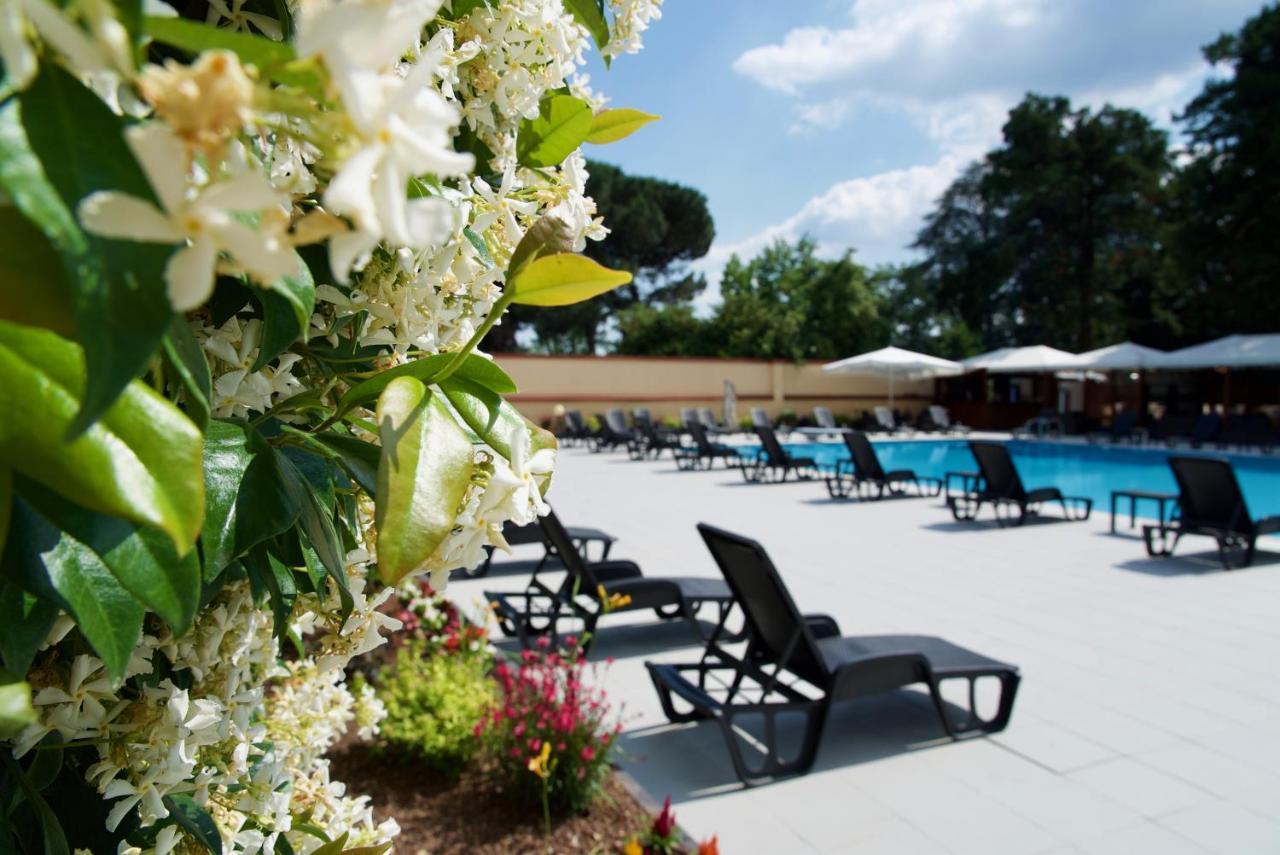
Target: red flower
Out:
[665,822]
[588,753]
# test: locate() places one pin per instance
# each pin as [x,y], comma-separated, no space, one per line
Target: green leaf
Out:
[33,290]
[286,313]
[590,14]
[16,711]
[6,503]
[268,502]
[563,123]
[484,371]
[563,279]
[141,461]
[266,571]
[461,8]
[227,454]
[423,475]
[482,248]
[548,236]
[55,841]
[188,361]
[53,563]
[142,560]
[316,519]
[121,308]
[613,125]
[358,458]
[195,821]
[494,421]
[25,621]
[333,847]
[194,37]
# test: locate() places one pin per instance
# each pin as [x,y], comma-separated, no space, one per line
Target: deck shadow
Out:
[1199,563]
[691,761]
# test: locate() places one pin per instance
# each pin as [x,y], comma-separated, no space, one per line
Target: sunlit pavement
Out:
[1149,714]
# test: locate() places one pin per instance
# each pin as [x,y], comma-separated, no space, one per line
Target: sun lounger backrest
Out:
[641,415]
[688,415]
[940,416]
[865,461]
[777,627]
[760,418]
[577,570]
[699,434]
[518,535]
[707,417]
[824,417]
[617,421]
[1209,493]
[998,472]
[772,448]
[884,417]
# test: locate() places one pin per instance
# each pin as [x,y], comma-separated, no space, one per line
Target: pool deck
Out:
[1148,719]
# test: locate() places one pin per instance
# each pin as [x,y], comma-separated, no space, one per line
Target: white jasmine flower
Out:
[204,217]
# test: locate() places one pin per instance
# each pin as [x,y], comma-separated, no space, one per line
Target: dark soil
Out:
[440,816]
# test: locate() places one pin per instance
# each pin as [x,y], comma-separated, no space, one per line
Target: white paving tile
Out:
[1150,687]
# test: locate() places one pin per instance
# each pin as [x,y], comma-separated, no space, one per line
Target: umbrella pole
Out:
[891,389]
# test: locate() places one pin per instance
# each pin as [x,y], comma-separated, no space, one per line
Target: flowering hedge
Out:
[247,249]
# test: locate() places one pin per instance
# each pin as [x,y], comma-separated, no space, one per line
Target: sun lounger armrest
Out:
[822,626]
[1268,525]
[880,672]
[614,570]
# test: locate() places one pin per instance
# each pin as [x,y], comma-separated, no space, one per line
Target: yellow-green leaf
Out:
[563,279]
[613,125]
[423,474]
[15,707]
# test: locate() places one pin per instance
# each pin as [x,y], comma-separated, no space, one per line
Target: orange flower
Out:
[539,765]
[709,847]
[612,601]
[633,847]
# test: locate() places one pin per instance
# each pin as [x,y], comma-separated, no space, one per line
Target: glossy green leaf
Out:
[53,563]
[195,37]
[563,279]
[142,560]
[33,290]
[548,236]
[269,501]
[195,821]
[6,503]
[590,14]
[315,518]
[186,358]
[25,621]
[483,371]
[118,288]
[461,8]
[612,125]
[562,124]
[423,475]
[16,711]
[266,571]
[495,422]
[357,457]
[227,454]
[141,461]
[286,313]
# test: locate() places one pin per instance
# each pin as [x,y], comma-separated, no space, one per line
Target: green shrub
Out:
[434,702]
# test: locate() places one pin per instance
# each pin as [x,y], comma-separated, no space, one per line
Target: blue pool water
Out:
[1079,470]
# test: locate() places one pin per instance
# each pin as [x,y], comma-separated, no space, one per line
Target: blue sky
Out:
[845,120]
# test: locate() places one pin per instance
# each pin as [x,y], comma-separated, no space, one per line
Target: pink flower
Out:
[588,753]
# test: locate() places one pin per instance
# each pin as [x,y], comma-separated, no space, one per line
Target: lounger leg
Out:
[973,724]
[772,765]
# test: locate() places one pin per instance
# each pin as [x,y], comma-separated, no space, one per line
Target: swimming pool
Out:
[1077,469]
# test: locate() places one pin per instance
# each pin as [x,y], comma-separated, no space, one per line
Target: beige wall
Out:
[664,385]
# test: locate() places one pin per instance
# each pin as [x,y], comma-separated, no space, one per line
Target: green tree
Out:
[1228,222]
[914,318]
[1056,236]
[671,330]
[787,303]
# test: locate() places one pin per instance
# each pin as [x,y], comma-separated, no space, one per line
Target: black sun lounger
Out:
[1000,486]
[593,588]
[612,433]
[520,535]
[1210,503]
[648,441]
[773,463]
[863,473]
[761,686]
[704,453]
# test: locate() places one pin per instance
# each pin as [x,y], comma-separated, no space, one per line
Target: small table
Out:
[1134,496]
[968,482]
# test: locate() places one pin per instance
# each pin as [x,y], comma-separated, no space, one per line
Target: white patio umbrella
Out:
[893,362]
[1233,351]
[1022,360]
[1125,356]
